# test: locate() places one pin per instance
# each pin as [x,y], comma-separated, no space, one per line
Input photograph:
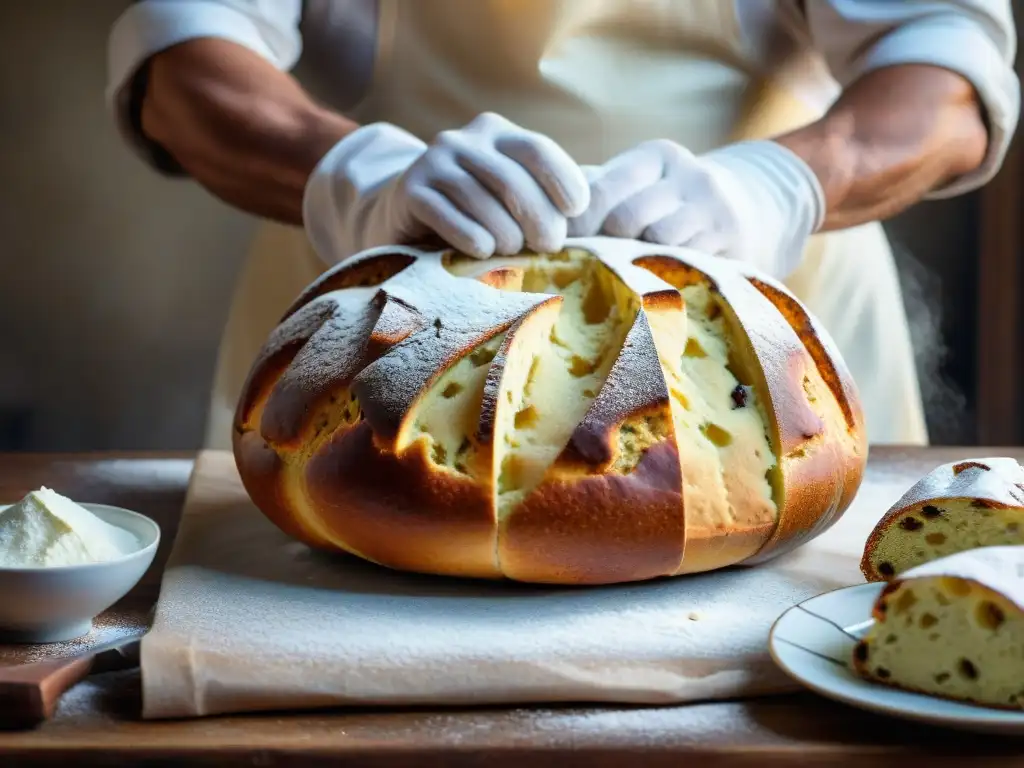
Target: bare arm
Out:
[892,137]
[239,126]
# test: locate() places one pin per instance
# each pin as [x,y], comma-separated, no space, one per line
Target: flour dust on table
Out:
[239,594]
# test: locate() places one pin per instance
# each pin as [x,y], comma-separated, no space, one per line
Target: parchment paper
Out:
[250,620]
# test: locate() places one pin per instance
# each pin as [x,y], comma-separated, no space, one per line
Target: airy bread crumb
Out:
[958,506]
[953,628]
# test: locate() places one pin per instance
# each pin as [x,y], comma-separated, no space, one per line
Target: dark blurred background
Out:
[116,283]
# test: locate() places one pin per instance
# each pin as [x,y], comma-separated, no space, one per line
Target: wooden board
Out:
[97,722]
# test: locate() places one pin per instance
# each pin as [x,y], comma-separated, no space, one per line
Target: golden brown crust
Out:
[819,470]
[599,529]
[832,477]
[834,373]
[588,523]
[262,472]
[276,356]
[327,446]
[330,296]
[710,550]
[503,278]
[399,510]
[325,364]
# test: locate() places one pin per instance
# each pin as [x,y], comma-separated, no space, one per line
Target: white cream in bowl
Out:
[46,529]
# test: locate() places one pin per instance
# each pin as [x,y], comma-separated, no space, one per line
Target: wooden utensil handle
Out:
[29,693]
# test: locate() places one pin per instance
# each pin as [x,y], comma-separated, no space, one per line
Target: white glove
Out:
[754,200]
[490,187]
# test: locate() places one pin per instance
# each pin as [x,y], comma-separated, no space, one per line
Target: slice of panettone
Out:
[953,628]
[957,506]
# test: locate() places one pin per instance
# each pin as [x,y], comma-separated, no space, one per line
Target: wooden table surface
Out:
[98,721]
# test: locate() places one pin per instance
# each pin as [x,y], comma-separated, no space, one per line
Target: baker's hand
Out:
[488,188]
[755,201]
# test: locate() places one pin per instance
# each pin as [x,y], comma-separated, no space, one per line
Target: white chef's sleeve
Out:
[268,27]
[975,38]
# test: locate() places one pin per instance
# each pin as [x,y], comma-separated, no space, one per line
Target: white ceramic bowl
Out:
[49,605]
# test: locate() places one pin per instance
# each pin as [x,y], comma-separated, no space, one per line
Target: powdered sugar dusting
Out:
[426,318]
[329,360]
[999,485]
[397,321]
[117,625]
[326,630]
[388,344]
[635,382]
[457,316]
[294,331]
[365,269]
[1000,568]
[242,595]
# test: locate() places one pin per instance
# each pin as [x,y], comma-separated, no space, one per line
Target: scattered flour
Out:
[46,529]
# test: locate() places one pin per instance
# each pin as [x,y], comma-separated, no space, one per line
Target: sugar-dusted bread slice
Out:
[958,506]
[953,628]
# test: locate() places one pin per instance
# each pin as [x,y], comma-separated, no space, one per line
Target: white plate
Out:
[813,642]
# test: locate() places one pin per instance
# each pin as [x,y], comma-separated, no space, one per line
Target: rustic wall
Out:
[115,281]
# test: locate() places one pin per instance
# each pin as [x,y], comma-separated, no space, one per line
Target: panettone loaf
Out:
[954,628]
[615,412]
[957,506]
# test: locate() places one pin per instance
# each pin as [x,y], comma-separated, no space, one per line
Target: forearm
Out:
[891,138]
[239,126]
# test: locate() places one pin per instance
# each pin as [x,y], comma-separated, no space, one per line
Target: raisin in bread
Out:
[958,506]
[954,628]
[614,412]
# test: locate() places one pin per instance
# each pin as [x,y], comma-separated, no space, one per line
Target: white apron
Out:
[598,76]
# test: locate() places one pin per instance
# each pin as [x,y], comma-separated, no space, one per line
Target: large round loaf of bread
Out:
[615,412]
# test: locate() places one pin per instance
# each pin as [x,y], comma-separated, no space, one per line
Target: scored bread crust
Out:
[996,571]
[337,440]
[639,515]
[981,484]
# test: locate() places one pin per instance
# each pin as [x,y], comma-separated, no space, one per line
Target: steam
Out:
[946,408]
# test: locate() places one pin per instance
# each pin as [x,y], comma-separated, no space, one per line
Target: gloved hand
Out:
[488,188]
[754,200]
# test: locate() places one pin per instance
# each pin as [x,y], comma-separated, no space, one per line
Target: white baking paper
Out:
[250,620]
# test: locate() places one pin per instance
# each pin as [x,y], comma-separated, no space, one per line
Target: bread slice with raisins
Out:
[957,506]
[952,628]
